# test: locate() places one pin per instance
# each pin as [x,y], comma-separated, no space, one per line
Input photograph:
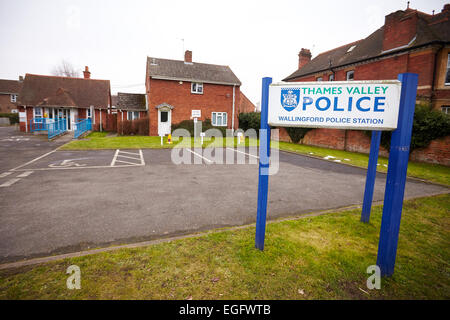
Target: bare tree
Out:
[65,69]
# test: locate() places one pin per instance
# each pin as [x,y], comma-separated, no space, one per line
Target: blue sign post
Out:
[371,175]
[264,156]
[398,163]
[396,177]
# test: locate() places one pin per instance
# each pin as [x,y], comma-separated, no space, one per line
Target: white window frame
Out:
[13,97]
[331,77]
[197,87]
[348,73]
[88,113]
[445,109]
[134,115]
[214,116]
[36,115]
[447,74]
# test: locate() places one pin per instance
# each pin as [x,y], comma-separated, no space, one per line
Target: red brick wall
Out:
[438,151]
[5,103]
[421,62]
[96,121]
[215,98]
[245,105]
[399,29]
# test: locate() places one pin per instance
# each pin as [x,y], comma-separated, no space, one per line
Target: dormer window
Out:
[197,87]
[351,48]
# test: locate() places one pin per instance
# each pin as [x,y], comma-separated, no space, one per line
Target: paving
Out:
[74,200]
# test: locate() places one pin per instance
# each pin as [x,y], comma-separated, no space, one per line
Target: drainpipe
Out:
[433,80]
[26,119]
[101,126]
[232,120]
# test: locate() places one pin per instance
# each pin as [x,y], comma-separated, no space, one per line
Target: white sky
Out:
[255,38]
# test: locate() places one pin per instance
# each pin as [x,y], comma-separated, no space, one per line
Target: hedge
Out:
[13,117]
[428,125]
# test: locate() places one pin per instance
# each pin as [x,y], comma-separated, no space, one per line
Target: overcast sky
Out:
[113,38]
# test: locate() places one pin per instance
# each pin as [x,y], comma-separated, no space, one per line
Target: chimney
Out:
[87,73]
[188,56]
[446,7]
[21,78]
[400,28]
[304,56]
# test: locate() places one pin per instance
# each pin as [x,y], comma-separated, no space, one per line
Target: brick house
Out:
[55,97]
[9,91]
[409,41]
[175,88]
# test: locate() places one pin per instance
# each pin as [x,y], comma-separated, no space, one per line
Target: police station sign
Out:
[364,105]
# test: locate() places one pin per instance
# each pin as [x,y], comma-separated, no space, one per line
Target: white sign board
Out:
[363,105]
[22,117]
[196,113]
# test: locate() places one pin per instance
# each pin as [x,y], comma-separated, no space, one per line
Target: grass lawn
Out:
[98,140]
[321,257]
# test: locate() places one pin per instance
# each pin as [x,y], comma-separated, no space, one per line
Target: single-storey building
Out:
[55,97]
[131,106]
[178,90]
[9,92]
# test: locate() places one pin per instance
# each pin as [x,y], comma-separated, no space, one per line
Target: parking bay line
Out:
[25,174]
[251,155]
[4,174]
[30,162]
[9,182]
[198,155]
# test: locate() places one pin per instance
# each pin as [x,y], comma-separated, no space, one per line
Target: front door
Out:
[164,121]
[73,115]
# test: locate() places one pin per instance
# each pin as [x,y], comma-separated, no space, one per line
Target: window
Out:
[319,79]
[132,115]
[350,75]
[38,112]
[445,109]
[164,116]
[14,98]
[219,119]
[88,113]
[197,87]
[447,75]
[331,77]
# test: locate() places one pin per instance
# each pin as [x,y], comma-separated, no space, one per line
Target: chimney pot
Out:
[304,56]
[87,73]
[188,56]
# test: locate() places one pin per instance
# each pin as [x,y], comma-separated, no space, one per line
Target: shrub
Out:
[296,134]
[250,120]
[428,125]
[13,117]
